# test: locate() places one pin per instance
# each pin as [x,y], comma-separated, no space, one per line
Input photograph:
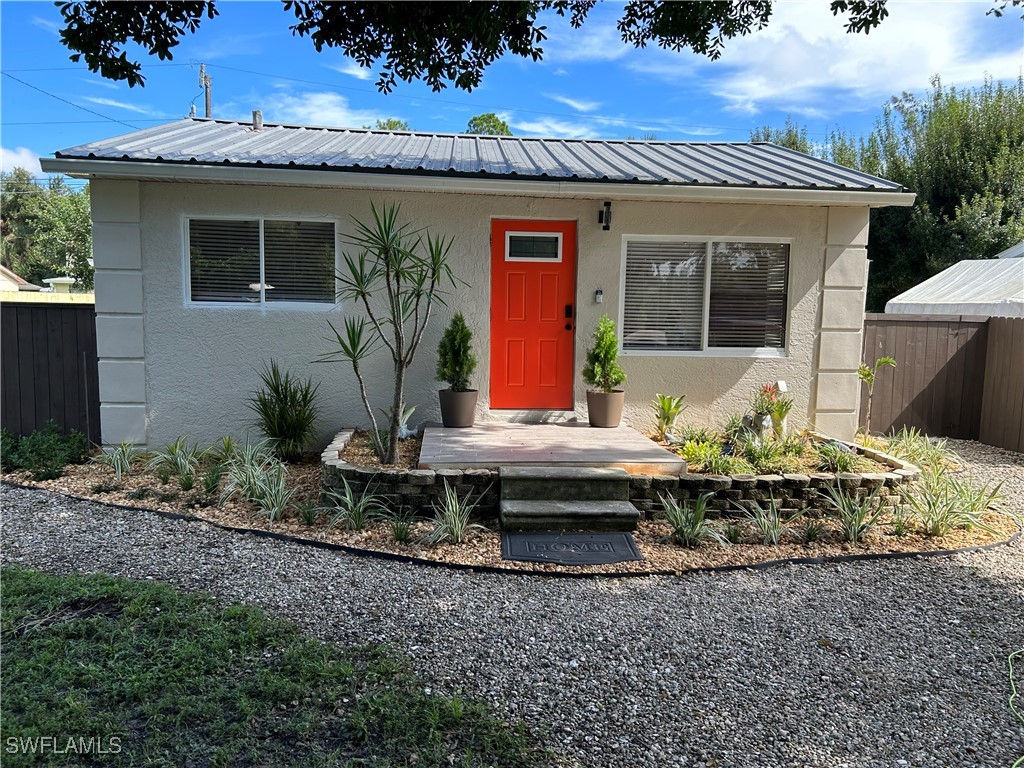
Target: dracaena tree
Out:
[394,276]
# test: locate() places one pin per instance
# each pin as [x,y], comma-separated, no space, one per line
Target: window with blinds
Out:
[693,296]
[261,261]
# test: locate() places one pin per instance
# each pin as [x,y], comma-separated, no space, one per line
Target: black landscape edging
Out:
[492,569]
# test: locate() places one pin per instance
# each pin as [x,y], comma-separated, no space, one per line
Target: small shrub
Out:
[187,482]
[733,533]
[765,456]
[222,450]
[308,512]
[688,521]
[179,458]
[943,502]
[400,521]
[353,510]
[287,410]
[834,457]
[455,359]
[9,451]
[734,427]
[768,521]
[140,493]
[120,459]
[912,445]
[451,517]
[212,478]
[245,469]
[856,514]
[698,434]
[46,451]
[812,530]
[107,487]
[666,410]
[793,445]
[602,371]
[273,494]
[900,521]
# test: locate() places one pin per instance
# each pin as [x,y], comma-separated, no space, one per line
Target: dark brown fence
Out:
[955,373]
[49,369]
[1002,411]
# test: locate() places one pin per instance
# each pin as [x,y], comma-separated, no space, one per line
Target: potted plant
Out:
[455,365]
[603,374]
[763,405]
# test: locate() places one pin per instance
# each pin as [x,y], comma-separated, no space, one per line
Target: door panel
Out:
[533,289]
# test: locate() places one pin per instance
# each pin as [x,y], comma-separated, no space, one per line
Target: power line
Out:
[86,122]
[79,69]
[58,98]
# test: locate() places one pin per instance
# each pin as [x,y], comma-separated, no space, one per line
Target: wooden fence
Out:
[48,368]
[957,376]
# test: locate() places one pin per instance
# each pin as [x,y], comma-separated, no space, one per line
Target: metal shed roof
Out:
[222,143]
[993,287]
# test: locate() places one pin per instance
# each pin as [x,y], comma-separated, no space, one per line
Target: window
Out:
[261,261]
[530,247]
[697,296]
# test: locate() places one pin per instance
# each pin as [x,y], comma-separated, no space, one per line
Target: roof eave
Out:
[302,177]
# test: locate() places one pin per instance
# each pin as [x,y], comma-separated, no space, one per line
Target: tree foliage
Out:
[392,124]
[961,152]
[488,124]
[46,231]
[439,42]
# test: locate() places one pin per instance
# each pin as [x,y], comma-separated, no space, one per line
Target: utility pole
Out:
[204,83]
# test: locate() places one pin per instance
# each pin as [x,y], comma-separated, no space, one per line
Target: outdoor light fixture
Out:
[599,296]
[604,216]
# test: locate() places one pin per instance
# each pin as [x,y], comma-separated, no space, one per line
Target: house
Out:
[990,287]
[13,282]
[725,266]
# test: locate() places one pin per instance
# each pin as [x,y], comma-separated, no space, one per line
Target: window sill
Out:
[274,306]
[766,353]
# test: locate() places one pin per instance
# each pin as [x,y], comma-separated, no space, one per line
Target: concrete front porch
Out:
[568,444]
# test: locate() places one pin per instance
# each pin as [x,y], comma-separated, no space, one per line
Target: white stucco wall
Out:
[201,363]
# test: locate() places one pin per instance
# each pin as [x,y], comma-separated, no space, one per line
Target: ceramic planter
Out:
[604,409]
[458,409]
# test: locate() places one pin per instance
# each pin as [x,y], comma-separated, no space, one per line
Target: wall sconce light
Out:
[604,216]
[599,296]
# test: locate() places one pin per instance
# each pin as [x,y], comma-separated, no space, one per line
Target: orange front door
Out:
[533,313]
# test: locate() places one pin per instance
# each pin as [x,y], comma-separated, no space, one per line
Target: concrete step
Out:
[564,484]
[519,515]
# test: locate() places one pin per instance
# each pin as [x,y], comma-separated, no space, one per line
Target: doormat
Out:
[569,547]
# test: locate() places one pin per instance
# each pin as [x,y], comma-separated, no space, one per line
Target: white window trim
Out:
[753,352]
[261,305]
[557,235]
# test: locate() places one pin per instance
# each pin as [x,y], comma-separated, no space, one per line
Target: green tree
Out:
[961,152]
[47,231]
[392,124]
[438,43]
[488,124]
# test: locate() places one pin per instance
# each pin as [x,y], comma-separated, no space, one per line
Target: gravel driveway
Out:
[871,664]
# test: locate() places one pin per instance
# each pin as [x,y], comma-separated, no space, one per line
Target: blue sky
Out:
[589,84]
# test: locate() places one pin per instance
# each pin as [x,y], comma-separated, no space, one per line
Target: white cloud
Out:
[580,105]
[119,105]
[559,72]
[352,69]
[329,109]
[22,157]
[50,26]
[103,83]
[596,40]
[805,62]
[227,47]
[553,127]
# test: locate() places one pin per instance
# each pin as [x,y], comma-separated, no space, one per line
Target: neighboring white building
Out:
[10,281]
[725,266]
[989,287]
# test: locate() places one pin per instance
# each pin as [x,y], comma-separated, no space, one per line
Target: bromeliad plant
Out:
[395,275]
[666,410]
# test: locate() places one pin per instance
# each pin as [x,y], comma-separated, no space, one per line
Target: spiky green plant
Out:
[910,444]
[212,478]
[833,457]
[688,521]
[867,374]
[856,513]
[179,458]
[602,371]
[245,470]
[120,459]
[286,409]
[308,512]
[400,521]
[943,502]
[353,510]
[666,410]
[768,521]
[451,517]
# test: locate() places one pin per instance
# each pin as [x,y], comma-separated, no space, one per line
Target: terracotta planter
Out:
[458,409]
[604,409]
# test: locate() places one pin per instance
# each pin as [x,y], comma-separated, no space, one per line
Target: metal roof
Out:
[229,143]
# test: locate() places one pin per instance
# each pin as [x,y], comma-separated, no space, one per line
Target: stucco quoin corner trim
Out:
[151,171]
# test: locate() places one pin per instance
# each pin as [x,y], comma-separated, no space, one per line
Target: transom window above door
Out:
[261,261]
[689,296]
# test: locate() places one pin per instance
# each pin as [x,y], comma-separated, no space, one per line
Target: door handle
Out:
[568,311]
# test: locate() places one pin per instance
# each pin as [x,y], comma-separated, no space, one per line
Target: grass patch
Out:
[185,680]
